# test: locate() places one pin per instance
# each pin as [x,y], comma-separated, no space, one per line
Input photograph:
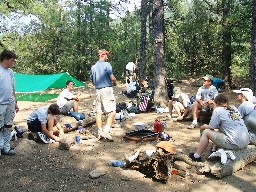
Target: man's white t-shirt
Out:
[130,66]
[62,98]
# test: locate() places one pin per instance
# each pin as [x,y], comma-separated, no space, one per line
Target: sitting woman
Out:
[232,132]
[181,104]
[248,111]
[42,121]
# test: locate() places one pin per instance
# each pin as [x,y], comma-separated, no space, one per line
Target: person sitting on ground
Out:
[181,104]
[204,99]
[232,132]
[67,100]
[248,111]
[43,121]
[132,89]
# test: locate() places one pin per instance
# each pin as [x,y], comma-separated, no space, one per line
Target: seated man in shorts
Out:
[67,100]
[232,132]
[43,121]
[204,99]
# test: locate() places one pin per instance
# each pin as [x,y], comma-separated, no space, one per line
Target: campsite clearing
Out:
[41,167]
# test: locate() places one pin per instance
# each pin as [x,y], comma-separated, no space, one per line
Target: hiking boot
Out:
[193,125]
[191,156]
[42,137]
[9,153]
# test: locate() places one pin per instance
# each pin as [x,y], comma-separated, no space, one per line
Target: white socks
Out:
[106,128]
[194,121]
[196,155]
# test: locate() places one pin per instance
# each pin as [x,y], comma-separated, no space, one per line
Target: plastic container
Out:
[117,163]
[157,126]
[77,139]
[163,127]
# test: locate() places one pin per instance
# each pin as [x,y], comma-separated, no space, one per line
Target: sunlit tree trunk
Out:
[253,50]
[160,96]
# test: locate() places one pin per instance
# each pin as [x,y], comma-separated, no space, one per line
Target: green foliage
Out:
[66,37]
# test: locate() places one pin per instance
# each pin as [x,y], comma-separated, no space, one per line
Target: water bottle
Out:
[77,139]
[117,163]
[163,126]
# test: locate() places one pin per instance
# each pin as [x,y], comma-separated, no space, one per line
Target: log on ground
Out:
[243,157]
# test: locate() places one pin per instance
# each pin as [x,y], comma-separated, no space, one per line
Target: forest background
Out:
[176,38]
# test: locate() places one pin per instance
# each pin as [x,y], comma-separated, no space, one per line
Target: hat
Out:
[166,145]
[176,92]
[247,92]
[208,77]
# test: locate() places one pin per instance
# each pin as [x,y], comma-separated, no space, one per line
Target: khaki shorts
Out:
[220,139]
[7,114]
[105,99]
[67,107]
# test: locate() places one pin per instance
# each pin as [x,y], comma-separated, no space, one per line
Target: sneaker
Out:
[50,140]
[191,156]
[193,125]
[106,136]
[42,137]
[9,153]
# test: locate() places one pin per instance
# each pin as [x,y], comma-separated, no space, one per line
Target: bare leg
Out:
[195,107]
[170,107]
[75,108]
[98,119]
[204,141]
[110,119]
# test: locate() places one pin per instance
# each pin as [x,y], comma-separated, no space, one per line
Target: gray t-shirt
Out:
[231,124]
[7,83]
[41,114]
[246,107]
[204,93]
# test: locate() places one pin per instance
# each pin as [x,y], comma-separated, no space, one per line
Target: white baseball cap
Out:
[247,92]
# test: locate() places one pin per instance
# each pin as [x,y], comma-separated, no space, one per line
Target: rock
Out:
[97,173]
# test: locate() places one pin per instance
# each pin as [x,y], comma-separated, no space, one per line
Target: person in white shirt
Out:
[67,100]
[130,71]
[181,104]
[204,98]
[248,111]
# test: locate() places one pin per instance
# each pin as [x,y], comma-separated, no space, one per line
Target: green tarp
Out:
[39,83]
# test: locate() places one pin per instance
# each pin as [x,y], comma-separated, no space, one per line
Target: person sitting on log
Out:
[232,132]
[67,100]
[181,104]
[204,99]
[43,122]
[248,111]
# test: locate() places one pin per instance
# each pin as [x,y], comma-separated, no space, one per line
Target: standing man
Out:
[103,79]
[67,100]
[130,71]
[8,103]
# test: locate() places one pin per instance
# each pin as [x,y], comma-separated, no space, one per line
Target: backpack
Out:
[218,83]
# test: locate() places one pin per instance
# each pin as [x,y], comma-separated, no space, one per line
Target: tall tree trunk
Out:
[226,50]
[253,50]
[160,96]
[143,39]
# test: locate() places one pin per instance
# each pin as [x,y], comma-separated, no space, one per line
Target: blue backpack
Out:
[218,83]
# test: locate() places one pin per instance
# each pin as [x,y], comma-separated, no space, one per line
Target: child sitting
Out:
[181,104]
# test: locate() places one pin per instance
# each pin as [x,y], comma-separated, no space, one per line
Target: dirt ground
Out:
[44,167]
